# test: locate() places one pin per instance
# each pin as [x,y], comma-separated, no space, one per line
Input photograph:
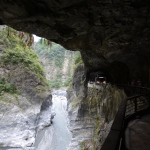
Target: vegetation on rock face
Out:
[7,87]
[102,105]
[55,84]
[23,56]
[78,60]
[10,38]
[99,107]
[54,53]
[58,63]
[15,52]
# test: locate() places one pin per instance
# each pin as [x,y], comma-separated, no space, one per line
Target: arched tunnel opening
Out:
[116,73]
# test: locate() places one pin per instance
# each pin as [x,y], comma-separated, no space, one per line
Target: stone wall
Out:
[91,111]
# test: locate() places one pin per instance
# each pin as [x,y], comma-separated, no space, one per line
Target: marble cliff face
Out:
[91,111]
[25,111]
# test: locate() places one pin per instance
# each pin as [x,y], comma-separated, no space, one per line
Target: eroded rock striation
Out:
[91,111]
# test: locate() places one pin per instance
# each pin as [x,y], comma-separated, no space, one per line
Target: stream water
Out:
[57,136]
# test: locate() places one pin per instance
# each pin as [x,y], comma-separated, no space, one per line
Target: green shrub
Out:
[2,81]
[78,59]
[68,82]
[7,87]
[54,53]
[55,84]
[17,52]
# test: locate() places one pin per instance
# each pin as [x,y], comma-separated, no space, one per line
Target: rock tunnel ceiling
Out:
[107,32]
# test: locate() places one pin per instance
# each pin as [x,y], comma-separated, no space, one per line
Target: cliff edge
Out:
[24,94]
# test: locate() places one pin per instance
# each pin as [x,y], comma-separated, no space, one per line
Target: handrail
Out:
[129,108]
[131,90]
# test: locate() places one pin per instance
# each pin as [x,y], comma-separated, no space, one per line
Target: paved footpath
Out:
[137,134]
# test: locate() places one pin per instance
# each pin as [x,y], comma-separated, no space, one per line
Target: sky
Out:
[36,38]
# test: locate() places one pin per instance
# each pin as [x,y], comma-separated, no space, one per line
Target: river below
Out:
[57,136]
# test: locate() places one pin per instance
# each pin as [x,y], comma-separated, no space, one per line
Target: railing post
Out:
[116,138]
[135,105]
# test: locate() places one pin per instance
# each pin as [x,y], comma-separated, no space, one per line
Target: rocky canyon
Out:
[113,36]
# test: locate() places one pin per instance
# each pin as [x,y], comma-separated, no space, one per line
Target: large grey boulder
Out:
[20,120]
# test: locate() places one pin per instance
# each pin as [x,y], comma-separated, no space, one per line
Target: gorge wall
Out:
[58,63]
[113,36]
[91,111]
[25,97]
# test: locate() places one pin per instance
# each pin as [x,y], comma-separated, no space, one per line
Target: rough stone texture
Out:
[91,111]
[110,34]
[81,130]
[20,120]
[137,134]
[52,70]
[25,112]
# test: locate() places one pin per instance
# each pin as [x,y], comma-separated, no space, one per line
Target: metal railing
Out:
[129,108]
[133,90]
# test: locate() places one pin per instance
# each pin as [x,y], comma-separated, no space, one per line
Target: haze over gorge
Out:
[107,38]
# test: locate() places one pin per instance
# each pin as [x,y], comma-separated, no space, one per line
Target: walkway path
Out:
[97,86]
[137,134]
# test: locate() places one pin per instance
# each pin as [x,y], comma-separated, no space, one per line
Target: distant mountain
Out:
[58,63]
